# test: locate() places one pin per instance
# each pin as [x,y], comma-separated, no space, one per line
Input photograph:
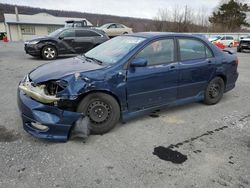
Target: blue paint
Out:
[138,90]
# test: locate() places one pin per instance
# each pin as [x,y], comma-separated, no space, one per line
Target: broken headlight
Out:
[53,87]
[44,92]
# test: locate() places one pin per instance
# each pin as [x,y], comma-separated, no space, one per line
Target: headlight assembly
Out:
[33,42]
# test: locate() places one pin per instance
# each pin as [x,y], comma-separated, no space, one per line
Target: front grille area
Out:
[245,43]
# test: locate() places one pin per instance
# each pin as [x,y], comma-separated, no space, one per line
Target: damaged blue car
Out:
[127,76]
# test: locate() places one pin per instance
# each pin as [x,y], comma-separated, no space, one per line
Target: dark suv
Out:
[65,41]
[244,44]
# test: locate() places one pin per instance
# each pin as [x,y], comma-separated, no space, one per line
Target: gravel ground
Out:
[124,157]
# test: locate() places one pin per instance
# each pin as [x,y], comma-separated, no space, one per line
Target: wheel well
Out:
[101,91]
[224,78]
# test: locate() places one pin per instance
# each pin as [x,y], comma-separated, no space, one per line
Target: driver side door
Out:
[112,30]
[155,84]
[67,42]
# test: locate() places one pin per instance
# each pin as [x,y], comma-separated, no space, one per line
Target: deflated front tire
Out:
[103,111]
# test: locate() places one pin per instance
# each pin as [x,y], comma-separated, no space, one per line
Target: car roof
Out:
[113,23]
[81,28]
[163,34]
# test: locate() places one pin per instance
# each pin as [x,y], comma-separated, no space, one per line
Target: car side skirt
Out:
[126,115]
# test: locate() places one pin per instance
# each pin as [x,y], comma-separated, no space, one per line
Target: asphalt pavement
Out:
[193,145]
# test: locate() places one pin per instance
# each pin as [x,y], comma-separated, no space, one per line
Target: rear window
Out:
[119,26]
[229,38]
[67,33]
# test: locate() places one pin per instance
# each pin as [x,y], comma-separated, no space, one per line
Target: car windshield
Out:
[55,33]
[113,50]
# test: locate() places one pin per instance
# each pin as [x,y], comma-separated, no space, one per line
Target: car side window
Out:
[68,33]
[193,49]
[158,52]
[223,38]
[112,26]
[86,33]
[119,26]
[208,52]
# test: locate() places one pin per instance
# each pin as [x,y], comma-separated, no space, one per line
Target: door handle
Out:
[172,67]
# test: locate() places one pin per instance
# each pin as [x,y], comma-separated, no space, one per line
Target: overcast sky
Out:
[131,8]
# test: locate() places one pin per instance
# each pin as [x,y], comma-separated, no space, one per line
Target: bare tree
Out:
[161,19]
[181,19]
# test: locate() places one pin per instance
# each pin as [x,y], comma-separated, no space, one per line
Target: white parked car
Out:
[226,40]
[115,29]
[212,39]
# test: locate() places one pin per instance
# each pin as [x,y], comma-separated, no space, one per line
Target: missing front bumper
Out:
[58,122]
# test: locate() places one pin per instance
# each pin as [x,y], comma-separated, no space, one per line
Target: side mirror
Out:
[139,62]
[61,37]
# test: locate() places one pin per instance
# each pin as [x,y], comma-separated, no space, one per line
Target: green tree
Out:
[230,16]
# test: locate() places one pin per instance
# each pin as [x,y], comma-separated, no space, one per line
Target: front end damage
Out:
[45,112]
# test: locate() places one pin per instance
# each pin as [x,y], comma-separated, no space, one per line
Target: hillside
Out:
[137,24]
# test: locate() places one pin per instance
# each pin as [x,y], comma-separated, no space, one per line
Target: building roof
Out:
[40,19]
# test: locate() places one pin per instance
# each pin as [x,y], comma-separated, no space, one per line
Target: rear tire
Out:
[49,52]
[230,45]
[214,91]
[103,111]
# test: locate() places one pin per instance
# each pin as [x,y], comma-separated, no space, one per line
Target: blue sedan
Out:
[127,76]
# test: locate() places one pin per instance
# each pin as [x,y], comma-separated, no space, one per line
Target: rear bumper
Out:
[230,85]
[58,122]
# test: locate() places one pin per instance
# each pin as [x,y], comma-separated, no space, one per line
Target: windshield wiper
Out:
[93,59]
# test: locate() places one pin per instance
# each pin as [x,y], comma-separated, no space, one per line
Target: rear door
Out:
[155,84]
[197,65]
[223,40]
[120,29]
[85,40]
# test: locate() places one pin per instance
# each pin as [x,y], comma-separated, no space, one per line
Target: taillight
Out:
[237,61]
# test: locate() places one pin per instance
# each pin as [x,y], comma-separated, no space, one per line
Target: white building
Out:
[24,27]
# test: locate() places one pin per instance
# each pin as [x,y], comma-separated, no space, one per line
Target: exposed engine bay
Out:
[44,92]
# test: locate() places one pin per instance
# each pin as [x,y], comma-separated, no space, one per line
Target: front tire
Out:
[49,52]
[103,111]
[214,91]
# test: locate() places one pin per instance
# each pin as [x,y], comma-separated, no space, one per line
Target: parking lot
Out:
[215,140]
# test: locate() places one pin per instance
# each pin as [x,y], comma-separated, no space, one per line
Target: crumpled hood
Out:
[61,68]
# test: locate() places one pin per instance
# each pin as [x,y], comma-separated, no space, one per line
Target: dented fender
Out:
[81,84]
